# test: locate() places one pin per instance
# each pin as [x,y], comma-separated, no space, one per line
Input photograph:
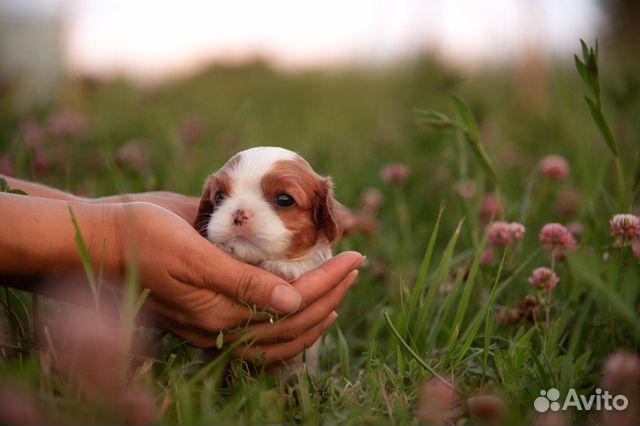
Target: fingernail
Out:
[330,319]
[285,299]
[353,276]
[360,261]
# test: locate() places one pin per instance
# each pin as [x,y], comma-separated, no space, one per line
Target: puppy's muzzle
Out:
[240,217]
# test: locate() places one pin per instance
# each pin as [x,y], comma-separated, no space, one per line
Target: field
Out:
[443,325]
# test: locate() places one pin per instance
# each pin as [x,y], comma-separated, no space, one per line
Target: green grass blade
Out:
[579,326]
[602,125]
[220,360]
[488,333]
[582,70]
[582,267]
[525,204]
[636,173]
[466,294]
[85,258]
[436,119]
[441,274]
[418,288]
[467,117]
[410,350]
[444,312]
[140,301]
[345,359]
[472,331]
[516,273]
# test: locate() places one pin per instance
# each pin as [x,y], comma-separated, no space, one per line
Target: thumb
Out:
[255,286]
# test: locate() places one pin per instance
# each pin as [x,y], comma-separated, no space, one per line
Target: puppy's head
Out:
[267,203]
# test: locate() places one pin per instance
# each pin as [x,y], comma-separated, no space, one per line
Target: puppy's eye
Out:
[220,196]
[285,200]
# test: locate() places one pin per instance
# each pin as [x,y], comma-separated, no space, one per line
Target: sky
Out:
[155,37]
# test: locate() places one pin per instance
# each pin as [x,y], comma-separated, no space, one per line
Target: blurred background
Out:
[45,40]
[139,89]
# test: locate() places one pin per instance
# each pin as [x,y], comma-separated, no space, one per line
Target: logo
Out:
[550,400]
[547,399]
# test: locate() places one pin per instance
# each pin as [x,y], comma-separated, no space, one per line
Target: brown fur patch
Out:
[220,181]
[313,214]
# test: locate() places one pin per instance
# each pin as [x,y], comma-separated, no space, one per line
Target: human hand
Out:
[194,286]
[323,290]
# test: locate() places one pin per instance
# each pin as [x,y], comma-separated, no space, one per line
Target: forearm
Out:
[38,190]
[182,205]
[37,236]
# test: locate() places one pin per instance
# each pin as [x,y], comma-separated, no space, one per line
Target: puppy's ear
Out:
[205,209]
[327,212]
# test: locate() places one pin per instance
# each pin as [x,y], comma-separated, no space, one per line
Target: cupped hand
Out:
[198,290]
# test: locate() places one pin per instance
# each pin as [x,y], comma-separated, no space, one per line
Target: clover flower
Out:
[371,199]
[576,229]
[439,404]
[557,240]
[7,167]
[517,231]
[466,189]
[503,233]
[625,227]
[544,278]
[554,167]
[621,371]
[34,135]
[499,234]
[134,154]
[192,130]
[567,203]
[488,256]
[68,124]
[42,164]
[490,206]
[395,174]
[488,409]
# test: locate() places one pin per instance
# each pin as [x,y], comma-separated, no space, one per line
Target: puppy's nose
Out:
[240,217]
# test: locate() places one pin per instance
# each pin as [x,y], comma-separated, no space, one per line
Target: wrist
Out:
[103,231]
[97,226]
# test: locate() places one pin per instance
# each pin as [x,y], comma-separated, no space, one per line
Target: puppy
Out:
[267,207]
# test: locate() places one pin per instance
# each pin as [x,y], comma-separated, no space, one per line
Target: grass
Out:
[427,305]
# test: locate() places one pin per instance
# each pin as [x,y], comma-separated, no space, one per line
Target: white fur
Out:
[292,269]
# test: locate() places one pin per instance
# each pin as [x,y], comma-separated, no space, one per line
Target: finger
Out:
[210,267]
[203,310]
[189,335]
[279,353]
[294,326]
[320,281]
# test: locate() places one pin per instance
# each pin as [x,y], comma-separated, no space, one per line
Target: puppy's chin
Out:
[244,249]
[255,246]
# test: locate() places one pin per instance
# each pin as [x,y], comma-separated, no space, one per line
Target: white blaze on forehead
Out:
[254,164]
